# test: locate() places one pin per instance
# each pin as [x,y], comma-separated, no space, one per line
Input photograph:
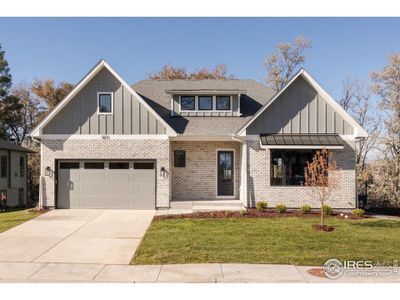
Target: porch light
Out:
[163,172]
[47,171]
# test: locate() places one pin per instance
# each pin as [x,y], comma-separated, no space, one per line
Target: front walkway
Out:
[201,273]
[88,236]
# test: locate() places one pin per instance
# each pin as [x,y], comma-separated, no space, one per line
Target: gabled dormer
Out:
[205,102]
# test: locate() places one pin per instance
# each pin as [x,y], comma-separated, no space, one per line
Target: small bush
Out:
[358,212]
[261,205]
[281,208]
[306,209]
[243,212]
[327,210]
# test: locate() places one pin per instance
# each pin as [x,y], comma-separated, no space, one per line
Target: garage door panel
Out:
[117,187]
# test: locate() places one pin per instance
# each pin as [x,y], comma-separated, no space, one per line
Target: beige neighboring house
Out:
[112,145]
[13,177]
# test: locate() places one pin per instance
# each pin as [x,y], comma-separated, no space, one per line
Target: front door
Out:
[225,173]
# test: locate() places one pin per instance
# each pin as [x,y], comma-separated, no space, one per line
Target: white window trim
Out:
[234,174]
[98,103]
[214,105]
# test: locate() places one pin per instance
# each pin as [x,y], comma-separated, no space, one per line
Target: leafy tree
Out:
[170,72]
[356,100]
[321,178]
[283,64]
[49,93]
[387,87]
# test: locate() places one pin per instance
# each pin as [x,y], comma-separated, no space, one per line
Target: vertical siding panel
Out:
[338,124]
[312,114]
[118,106]
[144,129]
[321,115]
[152,124]
[304,95]
[329,119]
[294,107]
[127,128]
[136,118]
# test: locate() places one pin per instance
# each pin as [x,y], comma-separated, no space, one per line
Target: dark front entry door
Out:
[225,173]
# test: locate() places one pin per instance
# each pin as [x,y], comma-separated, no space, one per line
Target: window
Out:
[105,103]
[187,102]
[143,165]
[287,166]
[118,165]
[179,158]
[69,165]
[94,165]
[21,196]
[21,166]
[223,103]
[3,167]
[205,103]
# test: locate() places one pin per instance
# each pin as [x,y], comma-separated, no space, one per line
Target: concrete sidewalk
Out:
[188,273]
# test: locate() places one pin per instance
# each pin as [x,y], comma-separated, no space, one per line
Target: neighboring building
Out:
[110,145]
[13,177]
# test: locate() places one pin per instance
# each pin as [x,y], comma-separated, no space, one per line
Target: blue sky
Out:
[66,48]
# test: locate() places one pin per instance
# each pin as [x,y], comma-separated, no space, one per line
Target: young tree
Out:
[387,87]
[321,177]
[283,64]
[7,102]
[170,72]
[356,100]
[50,93]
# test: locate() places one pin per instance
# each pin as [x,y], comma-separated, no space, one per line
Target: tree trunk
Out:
[322,216]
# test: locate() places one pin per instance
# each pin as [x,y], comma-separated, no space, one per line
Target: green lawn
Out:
[282,240]
[14,217]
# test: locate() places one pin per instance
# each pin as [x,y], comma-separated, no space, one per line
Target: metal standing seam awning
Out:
[301,141]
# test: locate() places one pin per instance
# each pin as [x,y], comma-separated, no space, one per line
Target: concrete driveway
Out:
[76,236]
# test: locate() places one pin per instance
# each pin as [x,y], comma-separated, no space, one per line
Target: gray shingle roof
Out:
[154,93]
[4,145]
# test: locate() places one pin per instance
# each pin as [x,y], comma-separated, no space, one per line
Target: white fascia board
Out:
[104,137]
[37,130]
[202,138]
[358,130]
[299,147]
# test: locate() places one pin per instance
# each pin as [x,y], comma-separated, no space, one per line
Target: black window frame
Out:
[188,96]
[223,96]
[286,155]
[94,165]
[111,103]
[143,165]
[69,165]
[113,165]
[21,166]
[3,167]
[180,162]
[204,96]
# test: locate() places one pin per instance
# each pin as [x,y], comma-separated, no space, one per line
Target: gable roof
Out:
[156,93]
[101,64]
[358,130]
[5,145]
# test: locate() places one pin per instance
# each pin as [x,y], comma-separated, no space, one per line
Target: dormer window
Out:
[105,103]
[205,103]
[223,103]
[188,103]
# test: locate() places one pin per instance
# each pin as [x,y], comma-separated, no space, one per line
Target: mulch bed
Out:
[323,228]
[249,213]
[38,210]
[319,272]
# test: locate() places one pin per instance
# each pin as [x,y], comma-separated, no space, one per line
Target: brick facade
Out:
[198,180]
[258,180]
[157,149]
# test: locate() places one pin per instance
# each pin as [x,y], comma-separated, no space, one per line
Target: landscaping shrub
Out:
[327,210]
[306,209]
[243,212]
[281,208]
[358,212]
[261,205]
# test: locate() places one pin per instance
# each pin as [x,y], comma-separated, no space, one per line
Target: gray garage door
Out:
[106,184]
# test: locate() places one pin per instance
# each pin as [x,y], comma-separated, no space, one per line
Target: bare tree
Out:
[356,99]
[283,64]
[169,72]
[321,177]
[387,87]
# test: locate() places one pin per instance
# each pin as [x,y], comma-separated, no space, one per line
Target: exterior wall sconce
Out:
[163,172]
[48,172]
